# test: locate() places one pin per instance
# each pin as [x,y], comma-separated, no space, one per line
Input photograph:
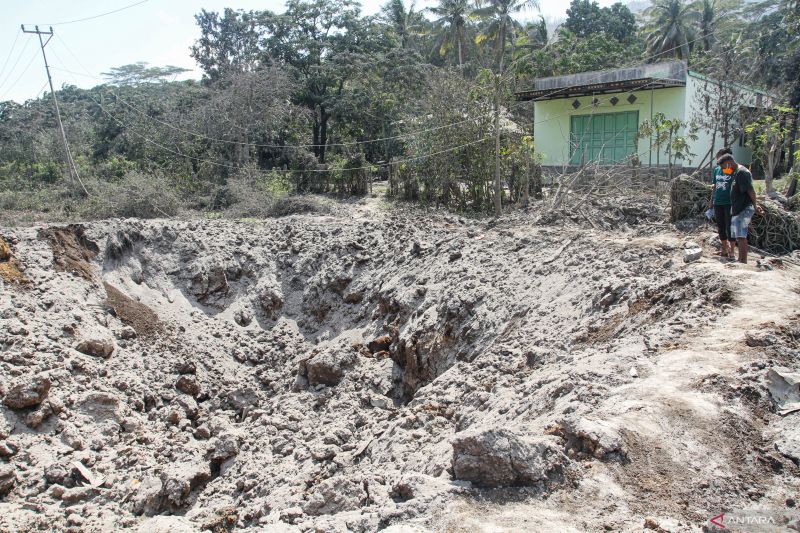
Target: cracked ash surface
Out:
[389,370]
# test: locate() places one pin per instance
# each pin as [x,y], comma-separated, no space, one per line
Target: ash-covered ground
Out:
[381,369]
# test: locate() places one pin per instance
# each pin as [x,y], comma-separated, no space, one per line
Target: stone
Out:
[126,333]
[188,385]
[242,398]
[224,447]
[56,473]
[784,388]
[758,339]
[35,418]
[327,367]
[77,494]
[147,499]
[499,457]
[181,478]
[186,367]
[379,344]
[223,519]
[588,438]
[8,479]
[692,254]
[96,347]
[209,282]
[335,495]
[353,297]
[27,393]
[7,449]
[291,515]
[271,302]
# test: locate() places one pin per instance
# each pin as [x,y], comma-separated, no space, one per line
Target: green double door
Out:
[606,137]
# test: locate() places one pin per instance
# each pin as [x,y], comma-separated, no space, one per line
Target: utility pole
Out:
[73,170]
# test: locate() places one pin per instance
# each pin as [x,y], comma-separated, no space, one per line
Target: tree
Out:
[450,26]
[404,22]
[500,25]
[139,72]
[665,132]
[706,23]
[322,42]
[585,18]
[670,29]
[227,44]
[770,136]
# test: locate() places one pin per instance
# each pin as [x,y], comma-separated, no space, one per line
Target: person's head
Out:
[722,152]
[728,164]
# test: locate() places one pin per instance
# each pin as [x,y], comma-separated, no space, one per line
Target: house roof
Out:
[655,75]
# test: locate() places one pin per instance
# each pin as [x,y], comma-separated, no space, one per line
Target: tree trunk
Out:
[498,191]
[460,57]
[323,134]
[526,182]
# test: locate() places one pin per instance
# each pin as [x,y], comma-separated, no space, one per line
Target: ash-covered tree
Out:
[671,27]
[228,43]
[317,40]
[139,72]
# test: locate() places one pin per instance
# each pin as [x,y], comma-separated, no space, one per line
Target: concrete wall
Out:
[552,119]
[696,87]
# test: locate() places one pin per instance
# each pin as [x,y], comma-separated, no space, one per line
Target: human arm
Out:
[758,208]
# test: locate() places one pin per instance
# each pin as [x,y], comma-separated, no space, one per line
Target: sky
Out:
[158,32]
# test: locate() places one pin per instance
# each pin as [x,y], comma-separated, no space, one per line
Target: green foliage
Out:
[671,28]
[769,135]
[586,18]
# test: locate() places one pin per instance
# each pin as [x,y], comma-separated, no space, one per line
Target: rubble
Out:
[385,370]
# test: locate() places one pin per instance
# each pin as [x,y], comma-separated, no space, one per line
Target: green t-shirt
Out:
[722,187]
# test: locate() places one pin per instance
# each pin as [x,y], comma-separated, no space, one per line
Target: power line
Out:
[21,53]
[235,167]
[21,74]
[260,145]
[8,58]
[95,16]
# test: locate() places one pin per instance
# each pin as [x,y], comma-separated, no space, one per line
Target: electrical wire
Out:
[10,72]
[95,16]
[8,89]
[260,145]
[8,58]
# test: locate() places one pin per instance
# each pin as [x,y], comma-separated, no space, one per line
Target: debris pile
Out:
[338,373]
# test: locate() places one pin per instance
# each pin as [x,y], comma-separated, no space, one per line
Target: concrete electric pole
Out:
[73,170]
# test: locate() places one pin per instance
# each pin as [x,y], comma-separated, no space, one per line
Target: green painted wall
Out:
[552,119]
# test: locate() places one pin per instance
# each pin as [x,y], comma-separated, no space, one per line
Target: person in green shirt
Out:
[721,204]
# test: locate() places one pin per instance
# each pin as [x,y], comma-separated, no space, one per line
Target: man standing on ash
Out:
[743,201]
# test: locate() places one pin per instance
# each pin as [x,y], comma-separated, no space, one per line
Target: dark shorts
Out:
[722,214]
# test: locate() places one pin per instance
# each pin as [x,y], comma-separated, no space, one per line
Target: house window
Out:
[607,137]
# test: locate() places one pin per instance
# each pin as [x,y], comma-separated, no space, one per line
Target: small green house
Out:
[596,116]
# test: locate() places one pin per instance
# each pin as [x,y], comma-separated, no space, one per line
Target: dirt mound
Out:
[135,314]
[346,373]
[72,251]
[9,267]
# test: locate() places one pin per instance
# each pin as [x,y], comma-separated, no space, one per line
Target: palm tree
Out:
[403,21]
[451,25]
[708,16]
[671,28]
[500,23]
